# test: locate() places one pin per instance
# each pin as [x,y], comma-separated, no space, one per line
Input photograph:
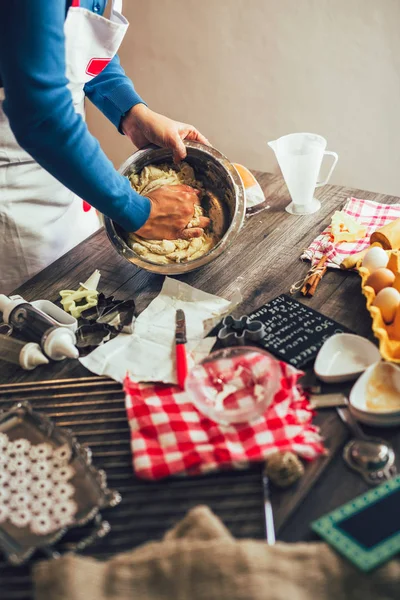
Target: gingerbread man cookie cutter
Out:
[237,332]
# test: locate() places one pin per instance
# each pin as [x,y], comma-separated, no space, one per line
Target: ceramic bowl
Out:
[343,357]
[388,376]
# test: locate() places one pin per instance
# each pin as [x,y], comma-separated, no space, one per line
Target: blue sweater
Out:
[41,114]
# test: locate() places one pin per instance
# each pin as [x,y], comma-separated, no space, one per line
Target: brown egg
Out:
[379,279]
[387,301]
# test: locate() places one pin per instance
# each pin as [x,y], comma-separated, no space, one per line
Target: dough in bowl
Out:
[170,251]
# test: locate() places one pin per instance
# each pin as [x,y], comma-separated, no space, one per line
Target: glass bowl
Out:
[234,385]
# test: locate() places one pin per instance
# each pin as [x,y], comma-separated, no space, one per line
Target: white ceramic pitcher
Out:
[300,157]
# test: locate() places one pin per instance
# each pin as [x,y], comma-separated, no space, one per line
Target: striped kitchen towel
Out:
[368,213]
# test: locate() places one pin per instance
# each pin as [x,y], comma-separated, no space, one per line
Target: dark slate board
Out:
[294,332]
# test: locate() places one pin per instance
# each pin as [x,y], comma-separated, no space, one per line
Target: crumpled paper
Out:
[149,353]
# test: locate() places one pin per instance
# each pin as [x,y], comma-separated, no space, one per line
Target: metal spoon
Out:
[372,457]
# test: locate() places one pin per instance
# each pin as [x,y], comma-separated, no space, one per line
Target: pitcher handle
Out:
[335,159]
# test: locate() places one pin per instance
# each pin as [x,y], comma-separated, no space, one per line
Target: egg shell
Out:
[376,258]
[388,301]
[379,279]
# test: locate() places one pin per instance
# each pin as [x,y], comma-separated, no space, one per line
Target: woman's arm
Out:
[42,117]
[112,92]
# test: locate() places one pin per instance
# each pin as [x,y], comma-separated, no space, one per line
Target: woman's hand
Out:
[172,207]
[144,126]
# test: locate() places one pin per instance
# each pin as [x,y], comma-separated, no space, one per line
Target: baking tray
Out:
[91,491]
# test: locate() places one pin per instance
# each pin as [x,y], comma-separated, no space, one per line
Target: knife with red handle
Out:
[180,348]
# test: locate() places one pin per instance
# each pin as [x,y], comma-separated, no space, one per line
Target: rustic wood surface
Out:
[262,263]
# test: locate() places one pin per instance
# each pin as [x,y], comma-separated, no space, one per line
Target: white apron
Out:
[40,219]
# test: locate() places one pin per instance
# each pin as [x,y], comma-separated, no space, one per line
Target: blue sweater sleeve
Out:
[41,113]
[112,92]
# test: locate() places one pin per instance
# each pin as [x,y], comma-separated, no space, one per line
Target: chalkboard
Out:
[294,332]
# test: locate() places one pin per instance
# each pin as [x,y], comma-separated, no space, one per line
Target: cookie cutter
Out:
[70,298]
[240,331]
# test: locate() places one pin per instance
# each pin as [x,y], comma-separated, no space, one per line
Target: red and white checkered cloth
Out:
[368,213]
[169,436]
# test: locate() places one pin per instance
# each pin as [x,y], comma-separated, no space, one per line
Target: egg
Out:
[387,300]
[375,258]
[379,279]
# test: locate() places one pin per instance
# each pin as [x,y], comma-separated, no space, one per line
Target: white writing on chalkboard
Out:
[294,331]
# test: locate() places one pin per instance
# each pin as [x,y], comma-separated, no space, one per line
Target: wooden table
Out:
[263,263]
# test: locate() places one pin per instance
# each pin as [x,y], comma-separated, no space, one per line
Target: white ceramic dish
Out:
[343,357]
[390,374]
[375,419]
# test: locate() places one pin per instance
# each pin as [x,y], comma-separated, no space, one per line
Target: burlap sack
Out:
[200,560]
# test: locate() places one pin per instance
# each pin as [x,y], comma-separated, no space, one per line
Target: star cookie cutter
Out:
[237,332]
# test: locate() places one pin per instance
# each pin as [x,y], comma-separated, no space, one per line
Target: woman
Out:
[52,55]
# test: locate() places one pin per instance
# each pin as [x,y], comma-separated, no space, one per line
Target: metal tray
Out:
[91,492]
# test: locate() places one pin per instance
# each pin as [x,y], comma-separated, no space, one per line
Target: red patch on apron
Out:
[86,206]
[96,65]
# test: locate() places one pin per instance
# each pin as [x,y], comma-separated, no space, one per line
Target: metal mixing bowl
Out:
[217,174]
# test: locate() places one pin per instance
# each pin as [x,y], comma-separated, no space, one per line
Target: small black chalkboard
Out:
[294,332]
